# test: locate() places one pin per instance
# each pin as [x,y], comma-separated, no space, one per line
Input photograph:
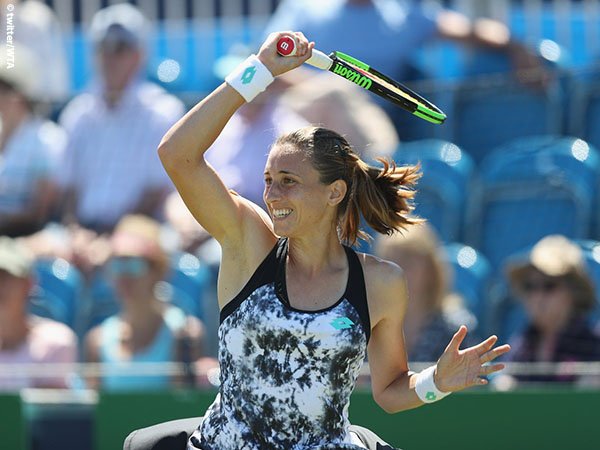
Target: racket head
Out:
[386,87]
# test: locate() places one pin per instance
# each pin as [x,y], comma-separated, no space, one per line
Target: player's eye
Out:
[288,181]
[268,182]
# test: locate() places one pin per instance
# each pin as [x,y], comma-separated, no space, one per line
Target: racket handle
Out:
[286,46]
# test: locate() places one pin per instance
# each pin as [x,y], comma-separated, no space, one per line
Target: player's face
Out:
[296,199]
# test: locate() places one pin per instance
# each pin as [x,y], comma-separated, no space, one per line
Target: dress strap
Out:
[356,292]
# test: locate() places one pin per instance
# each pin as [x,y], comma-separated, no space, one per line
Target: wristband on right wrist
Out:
[250,78]
[425,386]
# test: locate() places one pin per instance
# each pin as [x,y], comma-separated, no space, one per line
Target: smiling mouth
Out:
[281,213]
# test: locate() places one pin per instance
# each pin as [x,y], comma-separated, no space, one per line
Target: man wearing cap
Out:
[24,338]
[31,149]
[111,167]
[557,292]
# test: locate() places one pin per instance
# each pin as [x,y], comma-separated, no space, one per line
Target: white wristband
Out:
[250,78]
[426,388]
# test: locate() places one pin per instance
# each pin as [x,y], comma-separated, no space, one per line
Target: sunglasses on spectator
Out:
[546,286]
[128,266]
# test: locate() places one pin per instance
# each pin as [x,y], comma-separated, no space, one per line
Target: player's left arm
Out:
[393,384]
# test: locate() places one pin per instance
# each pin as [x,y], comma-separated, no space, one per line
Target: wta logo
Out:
[353,76]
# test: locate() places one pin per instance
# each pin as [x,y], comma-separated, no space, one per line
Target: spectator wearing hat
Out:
[557,292]
[27,339]
[37,27]
[147,329]
[434,312]
[111,167]
[31,149]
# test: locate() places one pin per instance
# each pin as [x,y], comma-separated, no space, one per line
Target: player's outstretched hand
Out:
[459,369]
[276,63]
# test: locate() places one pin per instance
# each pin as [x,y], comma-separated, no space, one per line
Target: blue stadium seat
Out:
[530,188]
[102,301]
[187,282]
[57,291]
[486,116]
[471,277]
[442,191]
[585,109]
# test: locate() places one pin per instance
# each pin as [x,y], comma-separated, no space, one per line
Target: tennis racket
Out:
[367,78]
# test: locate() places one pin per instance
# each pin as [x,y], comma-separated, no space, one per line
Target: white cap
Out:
[20,70]
[119,24]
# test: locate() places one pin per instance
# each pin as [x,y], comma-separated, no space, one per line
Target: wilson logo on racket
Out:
[351,75]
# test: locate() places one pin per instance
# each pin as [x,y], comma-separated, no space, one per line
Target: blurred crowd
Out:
[101,262]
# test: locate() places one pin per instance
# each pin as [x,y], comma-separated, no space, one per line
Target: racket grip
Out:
[286,46]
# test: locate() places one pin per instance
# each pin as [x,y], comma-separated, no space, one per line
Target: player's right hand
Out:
[278,64]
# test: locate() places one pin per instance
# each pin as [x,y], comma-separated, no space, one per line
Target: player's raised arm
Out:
[182,148]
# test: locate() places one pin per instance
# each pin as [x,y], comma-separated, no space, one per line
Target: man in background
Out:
[111,166]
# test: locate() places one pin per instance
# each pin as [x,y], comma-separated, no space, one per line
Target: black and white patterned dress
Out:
[286,374]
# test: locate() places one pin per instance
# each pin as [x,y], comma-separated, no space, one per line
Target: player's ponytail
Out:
[382,195]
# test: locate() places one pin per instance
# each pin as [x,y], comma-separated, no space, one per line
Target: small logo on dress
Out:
[248,74]
[341,323]
[431,396]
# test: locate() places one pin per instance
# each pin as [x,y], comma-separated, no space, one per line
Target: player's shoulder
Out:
[385,285]
[379,271]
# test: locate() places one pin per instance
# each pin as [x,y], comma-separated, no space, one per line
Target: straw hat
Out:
[557,257]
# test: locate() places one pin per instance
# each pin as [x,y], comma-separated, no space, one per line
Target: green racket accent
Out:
[368,78]
[429,115]
[352,60]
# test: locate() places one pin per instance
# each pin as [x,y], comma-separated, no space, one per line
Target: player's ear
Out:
[337,192]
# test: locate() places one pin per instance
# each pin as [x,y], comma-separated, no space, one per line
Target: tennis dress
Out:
[286,374]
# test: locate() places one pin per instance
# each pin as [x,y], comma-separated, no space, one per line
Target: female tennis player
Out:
[300,310]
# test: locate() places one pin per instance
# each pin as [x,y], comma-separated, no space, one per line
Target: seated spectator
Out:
[26,339]
[30,150]
[433,313]
[111,166]
[146,329]
[344,107]
[38,28]
[557,292]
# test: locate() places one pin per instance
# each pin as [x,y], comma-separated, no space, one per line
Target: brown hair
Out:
[382,195]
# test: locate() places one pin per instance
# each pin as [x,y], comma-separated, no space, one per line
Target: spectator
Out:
[30,149]
[111,166]
[37,28]
[26,339]
[343,107]
[146,329]
[434,313]
[557,293]
[386,33]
